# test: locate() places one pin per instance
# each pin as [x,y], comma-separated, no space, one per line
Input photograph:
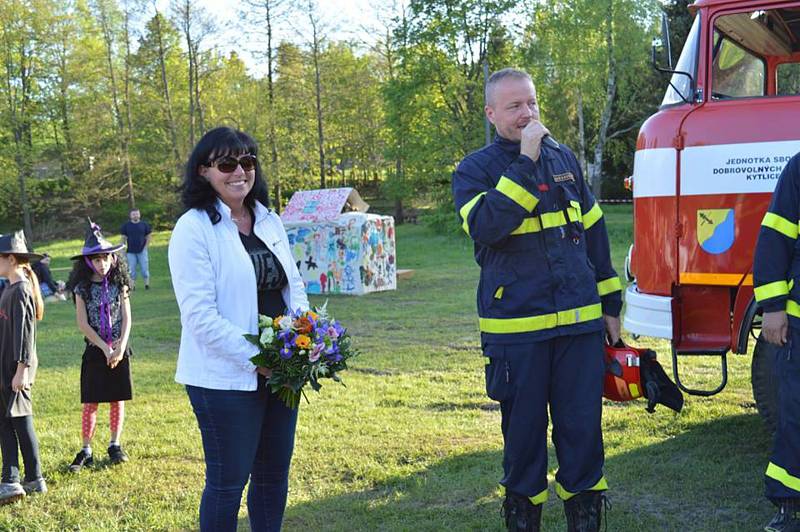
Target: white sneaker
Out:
[35,486]
[11,492]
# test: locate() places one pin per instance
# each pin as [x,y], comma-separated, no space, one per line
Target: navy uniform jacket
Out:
[540,240]
[776,268]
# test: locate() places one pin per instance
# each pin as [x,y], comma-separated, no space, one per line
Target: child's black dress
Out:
[100,383]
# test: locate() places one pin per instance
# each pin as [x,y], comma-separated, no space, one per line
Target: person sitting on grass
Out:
[51,290]
[100,286]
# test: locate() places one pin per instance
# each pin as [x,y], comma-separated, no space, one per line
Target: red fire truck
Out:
[705,167]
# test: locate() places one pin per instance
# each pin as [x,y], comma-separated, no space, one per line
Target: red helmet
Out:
[623,381]
[632,373]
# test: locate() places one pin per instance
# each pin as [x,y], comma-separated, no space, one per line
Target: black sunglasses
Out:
[228,163]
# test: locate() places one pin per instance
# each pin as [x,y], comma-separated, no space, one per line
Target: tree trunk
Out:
[581,135]
[19,120]
[315,52]
[320,134]
[162,63]
[108,38]
[272,136]
[596,168]
[126,137]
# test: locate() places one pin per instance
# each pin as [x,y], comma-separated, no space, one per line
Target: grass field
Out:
[411,444]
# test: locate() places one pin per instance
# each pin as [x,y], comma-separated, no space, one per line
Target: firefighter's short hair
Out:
[500,75]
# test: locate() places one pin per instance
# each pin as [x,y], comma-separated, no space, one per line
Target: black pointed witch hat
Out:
[14,244]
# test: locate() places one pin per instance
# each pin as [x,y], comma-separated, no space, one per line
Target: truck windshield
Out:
[687,63]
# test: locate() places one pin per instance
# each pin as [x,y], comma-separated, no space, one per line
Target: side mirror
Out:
[665,38]
[662,45]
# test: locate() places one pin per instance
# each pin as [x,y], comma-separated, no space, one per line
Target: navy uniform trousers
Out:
[567,374]
[783,471]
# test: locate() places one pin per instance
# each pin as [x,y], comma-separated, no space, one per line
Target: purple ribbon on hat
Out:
[106,331]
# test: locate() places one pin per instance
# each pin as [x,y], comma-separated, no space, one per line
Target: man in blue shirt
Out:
[136,235]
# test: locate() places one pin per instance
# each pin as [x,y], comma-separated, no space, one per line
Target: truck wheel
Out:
[765,384]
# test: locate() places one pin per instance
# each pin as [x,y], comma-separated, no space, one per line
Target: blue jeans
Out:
[142,260]
[245,435]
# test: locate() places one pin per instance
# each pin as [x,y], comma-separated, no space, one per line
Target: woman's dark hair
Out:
[81,274]
[196,191]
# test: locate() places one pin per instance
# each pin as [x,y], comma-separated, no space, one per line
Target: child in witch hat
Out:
[100,285]
[21,306]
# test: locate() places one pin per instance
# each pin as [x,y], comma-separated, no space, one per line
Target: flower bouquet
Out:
[301,348]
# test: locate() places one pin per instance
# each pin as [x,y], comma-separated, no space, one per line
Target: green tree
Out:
[23,34]
[586,57]
[436,93]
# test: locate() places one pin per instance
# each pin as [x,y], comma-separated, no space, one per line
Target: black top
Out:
[270,276]
[17,332]
[92,293]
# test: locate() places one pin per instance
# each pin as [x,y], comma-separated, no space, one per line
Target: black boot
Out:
[788,517]
[584,511]
[521,514]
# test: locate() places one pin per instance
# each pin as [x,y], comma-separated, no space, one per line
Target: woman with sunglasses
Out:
[230,261]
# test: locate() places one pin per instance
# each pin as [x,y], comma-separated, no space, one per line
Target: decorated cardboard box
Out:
[338,246]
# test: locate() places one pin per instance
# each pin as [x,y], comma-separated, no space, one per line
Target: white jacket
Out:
[215,285]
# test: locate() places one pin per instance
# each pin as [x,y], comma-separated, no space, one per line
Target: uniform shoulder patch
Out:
[562,178]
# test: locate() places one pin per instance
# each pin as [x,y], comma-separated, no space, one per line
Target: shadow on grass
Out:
[708,477]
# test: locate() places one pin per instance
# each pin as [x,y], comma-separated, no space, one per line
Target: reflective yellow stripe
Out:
[538,323]
[575,212]
[781,475]
[499,293]
[590,218]
[565,495]
[549,220]
[792,309]
[539,498]
[766,291]
[609,285]
[553,219]
[517,193]
[529,225]
[780,224]
[465,210]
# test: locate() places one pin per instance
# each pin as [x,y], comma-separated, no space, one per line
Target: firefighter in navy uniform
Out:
[776,280]
[546,294]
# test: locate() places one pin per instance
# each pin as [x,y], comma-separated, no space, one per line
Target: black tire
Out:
[765,383]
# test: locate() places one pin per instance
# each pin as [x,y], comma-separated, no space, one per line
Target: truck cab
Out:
[704,170]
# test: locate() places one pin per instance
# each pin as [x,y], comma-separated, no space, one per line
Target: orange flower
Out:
[302,325]
[313,315]
[302,341]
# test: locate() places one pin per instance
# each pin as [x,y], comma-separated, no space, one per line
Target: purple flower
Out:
[333,333]
[316,352]
[287,337]
[286,353]
[332,353]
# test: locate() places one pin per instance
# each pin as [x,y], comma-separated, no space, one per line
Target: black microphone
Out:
[551,142]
